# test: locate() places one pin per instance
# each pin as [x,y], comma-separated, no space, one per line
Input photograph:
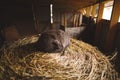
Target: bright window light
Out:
[51,13]
[119,19]
[107,10]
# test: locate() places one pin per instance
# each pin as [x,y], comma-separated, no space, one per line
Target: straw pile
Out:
[80,61]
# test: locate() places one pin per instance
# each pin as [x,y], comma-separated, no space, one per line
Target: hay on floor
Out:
[20,60]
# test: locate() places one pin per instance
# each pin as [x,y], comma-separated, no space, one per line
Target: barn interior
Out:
[96,22]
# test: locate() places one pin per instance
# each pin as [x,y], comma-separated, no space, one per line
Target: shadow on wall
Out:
[2,35]
[88,34]
[74,32]
[11,33]
[18,19]
[117,46]
[17,31]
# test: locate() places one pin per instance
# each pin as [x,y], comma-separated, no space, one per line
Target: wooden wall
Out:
[117,38]
[17,19]
[27,17]
[106,33]
[32,17]
[57,16]
[109,45]
[101,37]
[117,48]
[103,29]
[41,12]
[21,18]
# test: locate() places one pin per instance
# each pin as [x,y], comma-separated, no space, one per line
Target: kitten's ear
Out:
[62,27]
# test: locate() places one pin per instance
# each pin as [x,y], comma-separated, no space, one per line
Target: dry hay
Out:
[80,61]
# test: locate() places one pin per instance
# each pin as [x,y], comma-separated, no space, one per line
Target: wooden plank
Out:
[34,17]
[112,28]
[93,13]
[90,10]
[100,12]
[72,5]
[41,15]
[98,28]
[74,20]
[62,23]
[63,19]
[80,19]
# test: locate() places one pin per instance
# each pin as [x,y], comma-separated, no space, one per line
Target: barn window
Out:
[51,13]
[119,19]
[107,10]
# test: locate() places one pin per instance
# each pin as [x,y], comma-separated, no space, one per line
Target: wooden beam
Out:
[73,5]
[112,28]
[98,28]
[100,12]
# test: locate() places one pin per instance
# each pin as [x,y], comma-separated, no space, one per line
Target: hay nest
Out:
[80,61]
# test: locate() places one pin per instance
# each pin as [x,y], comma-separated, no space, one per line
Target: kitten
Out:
[53,41]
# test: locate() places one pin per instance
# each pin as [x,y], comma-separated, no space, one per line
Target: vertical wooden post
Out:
[89,10]
[63,19]
[93,13]
[80,19]
[34,16]
[112,28]
[98,28]
[74,19]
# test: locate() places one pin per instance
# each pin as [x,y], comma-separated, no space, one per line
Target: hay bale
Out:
[80,61]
